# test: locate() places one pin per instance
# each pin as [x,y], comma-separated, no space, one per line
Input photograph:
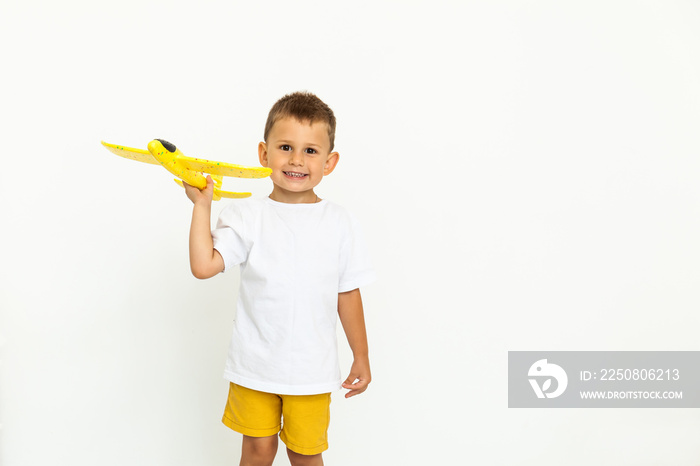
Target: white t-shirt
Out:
[294,259]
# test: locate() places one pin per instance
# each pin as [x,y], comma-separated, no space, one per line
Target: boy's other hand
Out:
[359,378]
[200,196]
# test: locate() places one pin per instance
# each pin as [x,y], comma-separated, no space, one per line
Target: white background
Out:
[526,173]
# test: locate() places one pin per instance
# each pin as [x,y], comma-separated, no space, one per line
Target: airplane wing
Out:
[223,168]
[139,155]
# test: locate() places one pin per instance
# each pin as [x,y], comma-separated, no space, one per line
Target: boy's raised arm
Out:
[205,261]
[353,319]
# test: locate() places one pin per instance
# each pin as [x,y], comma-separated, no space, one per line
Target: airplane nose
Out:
[168,145]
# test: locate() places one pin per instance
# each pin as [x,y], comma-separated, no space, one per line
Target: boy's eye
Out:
[310,151]
[286,147]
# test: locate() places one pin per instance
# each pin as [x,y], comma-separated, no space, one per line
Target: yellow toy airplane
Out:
[189,169]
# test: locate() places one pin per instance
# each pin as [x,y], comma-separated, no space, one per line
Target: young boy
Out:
[302,263]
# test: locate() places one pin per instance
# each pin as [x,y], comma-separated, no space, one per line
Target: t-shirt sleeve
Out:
[355,265]
[229,237]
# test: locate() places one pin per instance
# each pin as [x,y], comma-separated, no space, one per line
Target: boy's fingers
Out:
[359,386]
[357,389]
[354,380]
[350,380]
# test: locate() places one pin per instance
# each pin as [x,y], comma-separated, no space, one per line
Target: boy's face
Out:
[299,155]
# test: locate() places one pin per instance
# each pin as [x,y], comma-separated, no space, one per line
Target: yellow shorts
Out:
[258,414]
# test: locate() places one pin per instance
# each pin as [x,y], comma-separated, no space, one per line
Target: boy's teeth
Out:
[298,175]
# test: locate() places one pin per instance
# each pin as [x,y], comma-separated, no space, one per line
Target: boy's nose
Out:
[296,158]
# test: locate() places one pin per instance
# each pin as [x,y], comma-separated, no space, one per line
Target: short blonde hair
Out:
[305,107]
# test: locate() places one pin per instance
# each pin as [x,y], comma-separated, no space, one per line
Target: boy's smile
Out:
[299,155]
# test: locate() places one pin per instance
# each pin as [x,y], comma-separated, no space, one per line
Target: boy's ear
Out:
[331,162]
[262,154]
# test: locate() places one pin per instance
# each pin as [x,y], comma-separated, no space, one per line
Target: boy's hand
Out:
[359,377]
[200,196]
